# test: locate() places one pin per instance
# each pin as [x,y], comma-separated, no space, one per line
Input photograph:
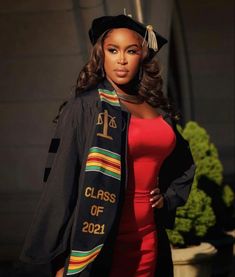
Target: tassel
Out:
[124,12]
[152,39]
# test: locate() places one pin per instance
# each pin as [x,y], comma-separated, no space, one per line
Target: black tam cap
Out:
[101,24]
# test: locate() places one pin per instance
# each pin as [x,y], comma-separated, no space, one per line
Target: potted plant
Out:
[200,215]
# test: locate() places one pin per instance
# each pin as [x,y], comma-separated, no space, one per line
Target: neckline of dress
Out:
[151,118]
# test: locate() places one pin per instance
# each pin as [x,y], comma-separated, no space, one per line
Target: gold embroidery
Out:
[92,228]
[96,210]
[107,121]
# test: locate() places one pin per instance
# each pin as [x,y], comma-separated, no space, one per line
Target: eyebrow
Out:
[131,45]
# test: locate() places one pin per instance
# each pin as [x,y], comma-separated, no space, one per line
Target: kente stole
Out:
[102,182]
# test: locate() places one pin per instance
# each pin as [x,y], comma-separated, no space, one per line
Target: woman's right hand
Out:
[157,200]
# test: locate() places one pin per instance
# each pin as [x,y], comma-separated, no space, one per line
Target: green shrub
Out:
[197,215]
[228,195]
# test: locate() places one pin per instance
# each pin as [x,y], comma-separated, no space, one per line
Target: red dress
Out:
[150,141]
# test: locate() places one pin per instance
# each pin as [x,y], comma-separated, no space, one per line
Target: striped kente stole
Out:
[100,191]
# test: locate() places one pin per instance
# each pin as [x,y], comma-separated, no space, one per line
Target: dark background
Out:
[43,45]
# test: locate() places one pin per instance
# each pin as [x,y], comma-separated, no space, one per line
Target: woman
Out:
[118,166]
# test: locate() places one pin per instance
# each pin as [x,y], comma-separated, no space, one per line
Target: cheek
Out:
[108,62]
[135,64]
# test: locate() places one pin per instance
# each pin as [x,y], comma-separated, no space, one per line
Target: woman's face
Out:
[122,55]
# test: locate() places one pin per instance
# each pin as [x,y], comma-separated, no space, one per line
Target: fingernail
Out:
[153,206]
[151,199]
[152,192]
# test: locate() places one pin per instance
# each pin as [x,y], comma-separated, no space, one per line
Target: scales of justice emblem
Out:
[107,121]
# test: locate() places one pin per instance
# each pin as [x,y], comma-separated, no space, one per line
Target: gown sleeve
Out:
[175,180]
[51,226]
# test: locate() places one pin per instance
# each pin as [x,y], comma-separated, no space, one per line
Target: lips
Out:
[121,72]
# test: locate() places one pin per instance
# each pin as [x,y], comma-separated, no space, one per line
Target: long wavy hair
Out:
[149,84]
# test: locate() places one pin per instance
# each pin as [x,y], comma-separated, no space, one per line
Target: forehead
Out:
[123,35]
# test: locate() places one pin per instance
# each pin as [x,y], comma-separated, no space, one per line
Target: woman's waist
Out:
[137,213]
[141,196]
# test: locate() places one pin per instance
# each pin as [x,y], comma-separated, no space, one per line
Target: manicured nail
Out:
[151,199]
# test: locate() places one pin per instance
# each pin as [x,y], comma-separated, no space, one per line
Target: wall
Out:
[40,57]
[209,33]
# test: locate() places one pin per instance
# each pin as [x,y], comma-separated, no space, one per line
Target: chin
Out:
[121,81]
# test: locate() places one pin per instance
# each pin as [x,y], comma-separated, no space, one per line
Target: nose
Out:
[122,59]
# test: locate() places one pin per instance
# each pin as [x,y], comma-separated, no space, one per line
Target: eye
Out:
[112,50]
[132,51]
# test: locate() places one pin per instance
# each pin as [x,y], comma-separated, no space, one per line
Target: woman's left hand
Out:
[156,199]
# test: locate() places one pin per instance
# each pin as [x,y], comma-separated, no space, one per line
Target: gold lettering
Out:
[88,192]
[112,198]
[90,227]
[100,209]
[96,210]
[100,194]
[91,192]
[106,196]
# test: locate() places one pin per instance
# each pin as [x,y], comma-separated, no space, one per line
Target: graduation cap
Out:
[101,24]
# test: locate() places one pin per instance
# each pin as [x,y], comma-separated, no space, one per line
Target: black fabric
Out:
[175,179]
[164,266]
[54,145]
[58,262]
[104,23]
[46,173]
[50,230]
[55,142]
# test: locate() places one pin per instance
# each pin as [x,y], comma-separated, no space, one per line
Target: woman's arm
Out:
[175,180]
[177,174]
